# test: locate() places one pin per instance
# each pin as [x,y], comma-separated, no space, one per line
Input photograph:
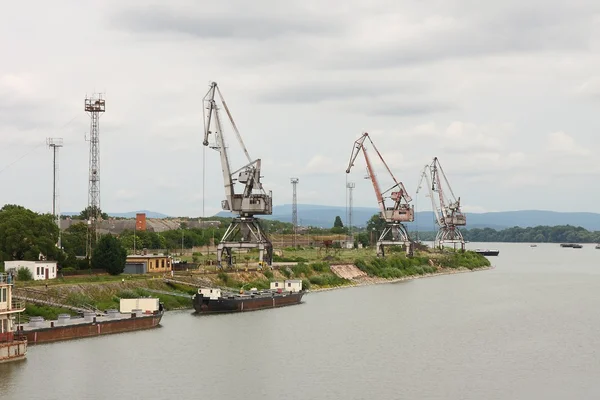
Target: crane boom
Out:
[212,115]
[358,146]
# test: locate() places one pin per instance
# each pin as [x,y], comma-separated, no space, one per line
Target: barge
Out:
[487,252]
[281,294]
[13,347]
[90,324]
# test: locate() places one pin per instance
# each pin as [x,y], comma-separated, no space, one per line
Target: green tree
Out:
[74,239]
[375,223]
[338,222]
[109,255]
[24,234]
[87,212]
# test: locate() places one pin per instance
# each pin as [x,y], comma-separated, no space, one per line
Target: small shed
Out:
[212,294]
[40,270]
[277,285]
[293,285]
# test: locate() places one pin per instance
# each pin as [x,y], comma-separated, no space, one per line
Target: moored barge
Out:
[487,252]
[66,327]
[281,294]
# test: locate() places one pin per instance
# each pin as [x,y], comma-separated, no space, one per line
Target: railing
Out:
[6,278]
[17,305]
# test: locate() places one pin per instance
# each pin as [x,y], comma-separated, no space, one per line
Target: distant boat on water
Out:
[487,252]
[572,245]
[598,246]
[533,245]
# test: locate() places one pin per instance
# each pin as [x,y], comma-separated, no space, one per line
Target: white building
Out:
[212,294]
[40,270]
[290,285]
[277,285]
[293,285]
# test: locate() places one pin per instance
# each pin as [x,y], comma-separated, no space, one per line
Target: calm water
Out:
[529,329]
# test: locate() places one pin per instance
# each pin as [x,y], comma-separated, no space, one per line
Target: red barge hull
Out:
[89,328]
[205,305]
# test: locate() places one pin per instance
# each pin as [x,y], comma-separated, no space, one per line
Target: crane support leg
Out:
[449,235]
[394,235]
[244,233]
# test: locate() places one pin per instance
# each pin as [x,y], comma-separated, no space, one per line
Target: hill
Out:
[323,216]
[130,214]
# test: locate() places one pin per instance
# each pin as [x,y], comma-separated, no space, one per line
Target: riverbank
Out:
[380,281]
[175,293]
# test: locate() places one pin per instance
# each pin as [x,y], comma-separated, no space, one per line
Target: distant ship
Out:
[572,245]
[533,245]
[213,301]
[487,252]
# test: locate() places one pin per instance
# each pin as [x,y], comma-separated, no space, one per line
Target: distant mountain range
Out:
[130,214]
[323,216]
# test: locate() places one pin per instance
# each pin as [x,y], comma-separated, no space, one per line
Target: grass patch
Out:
[48,312]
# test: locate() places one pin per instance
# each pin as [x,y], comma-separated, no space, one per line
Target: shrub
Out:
[319,266]
[301,269]
[223,276]
[268,273]
[23,274]
[305,284]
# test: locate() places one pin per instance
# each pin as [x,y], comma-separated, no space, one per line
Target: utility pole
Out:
[350,186]
[181,226]
[55,144]
[94,105]
[294,182]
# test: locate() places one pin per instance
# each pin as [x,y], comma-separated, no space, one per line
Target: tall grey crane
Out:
[448,215]
[245,230]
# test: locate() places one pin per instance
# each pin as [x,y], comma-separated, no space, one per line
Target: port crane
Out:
[395,232]
[448,215]
[245,230]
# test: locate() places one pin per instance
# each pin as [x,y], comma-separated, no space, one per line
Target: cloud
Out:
[238,21]
[126,194]
[316,91]
[320,164]
[562,143]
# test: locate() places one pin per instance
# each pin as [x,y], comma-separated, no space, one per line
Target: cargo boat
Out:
[487,252]
[281,294]
[572,245]
[13,347]
[66,327]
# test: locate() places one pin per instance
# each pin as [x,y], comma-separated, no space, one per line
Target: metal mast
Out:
[245,230]
[394,232]
[294,182]
[350,186]
[55,144]
[94,105]
[448,215]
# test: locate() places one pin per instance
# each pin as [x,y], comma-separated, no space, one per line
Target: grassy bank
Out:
[105,292]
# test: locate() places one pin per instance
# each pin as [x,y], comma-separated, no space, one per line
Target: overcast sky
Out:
[506,95]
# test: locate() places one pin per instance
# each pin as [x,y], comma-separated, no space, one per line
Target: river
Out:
[528,329]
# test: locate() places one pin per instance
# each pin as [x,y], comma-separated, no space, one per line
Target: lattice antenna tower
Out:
[55,144]
[94,106]
[350,186]
[294,182]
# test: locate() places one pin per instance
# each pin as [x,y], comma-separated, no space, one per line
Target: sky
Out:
[505,94]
